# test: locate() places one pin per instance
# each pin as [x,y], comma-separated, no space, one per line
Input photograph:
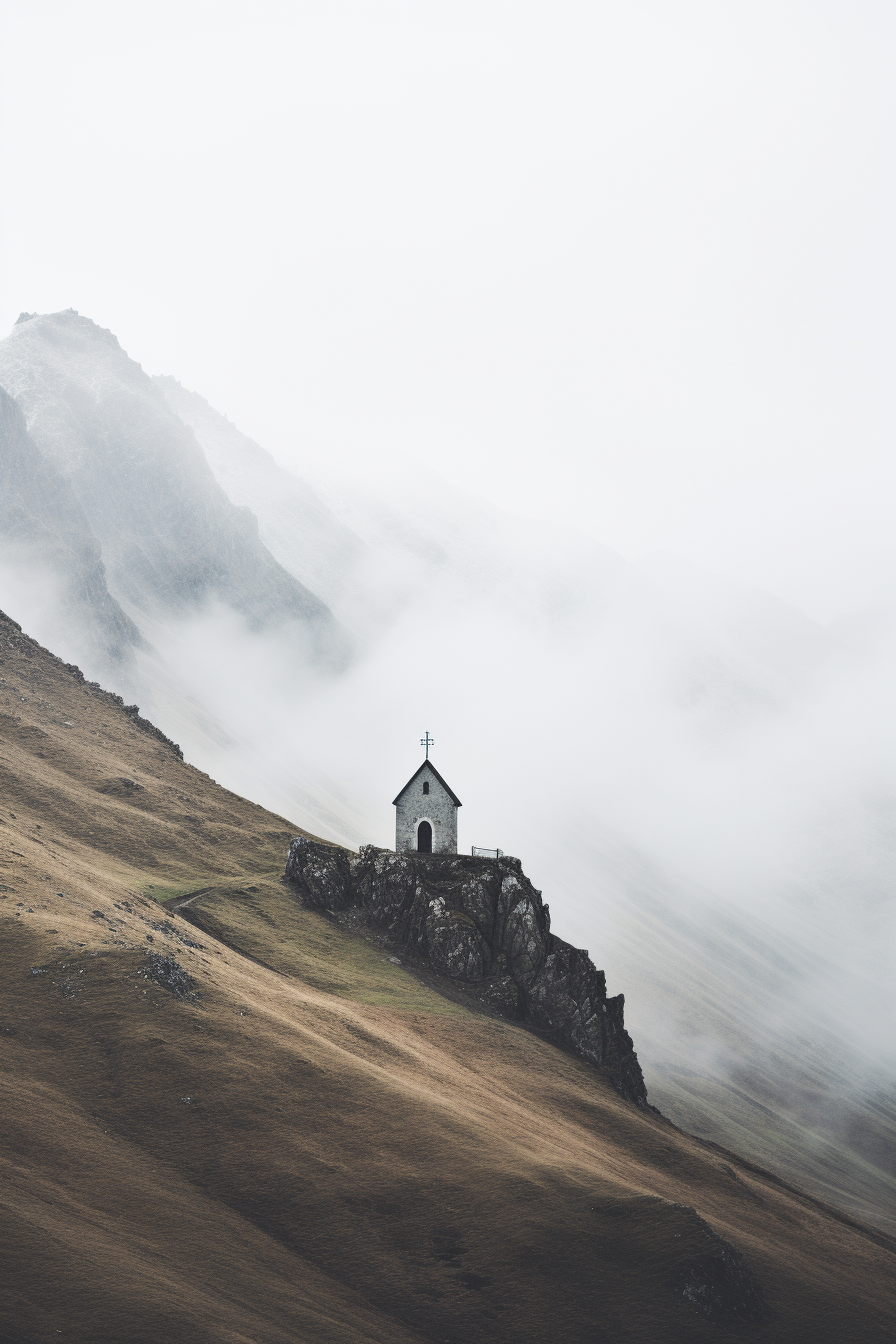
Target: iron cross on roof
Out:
[427,742]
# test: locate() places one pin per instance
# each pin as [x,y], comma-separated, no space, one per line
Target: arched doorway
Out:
[424,838]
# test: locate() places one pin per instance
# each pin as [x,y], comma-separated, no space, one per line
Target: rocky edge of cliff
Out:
[481,925]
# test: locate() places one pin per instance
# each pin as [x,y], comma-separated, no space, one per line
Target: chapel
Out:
[426,814]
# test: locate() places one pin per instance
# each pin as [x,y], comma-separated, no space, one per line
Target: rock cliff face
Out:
[50,559]
[481,924]
[294,524]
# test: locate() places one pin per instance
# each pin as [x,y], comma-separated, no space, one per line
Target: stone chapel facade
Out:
[426,814]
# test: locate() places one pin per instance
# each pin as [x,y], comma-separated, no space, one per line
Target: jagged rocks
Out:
[481,923]
[455,945]
[170,975]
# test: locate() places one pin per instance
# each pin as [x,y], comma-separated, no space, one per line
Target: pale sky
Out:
[629,265]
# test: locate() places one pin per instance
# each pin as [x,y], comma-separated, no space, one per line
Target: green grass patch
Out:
[167,891]
[267,921]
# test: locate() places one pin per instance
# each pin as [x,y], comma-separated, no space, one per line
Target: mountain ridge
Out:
[171,539]
[296,526]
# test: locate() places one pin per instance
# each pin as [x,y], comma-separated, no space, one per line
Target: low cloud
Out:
[688,811]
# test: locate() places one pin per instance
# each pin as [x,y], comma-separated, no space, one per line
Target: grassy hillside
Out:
[304,1142]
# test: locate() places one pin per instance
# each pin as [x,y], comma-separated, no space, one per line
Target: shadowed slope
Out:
[300,1141]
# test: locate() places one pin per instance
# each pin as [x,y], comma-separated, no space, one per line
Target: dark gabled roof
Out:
[450,792]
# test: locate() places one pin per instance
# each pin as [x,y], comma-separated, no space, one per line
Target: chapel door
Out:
[424,838]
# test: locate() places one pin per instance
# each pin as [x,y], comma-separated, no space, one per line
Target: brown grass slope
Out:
[319,1147]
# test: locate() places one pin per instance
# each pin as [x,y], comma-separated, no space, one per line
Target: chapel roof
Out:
[428,764]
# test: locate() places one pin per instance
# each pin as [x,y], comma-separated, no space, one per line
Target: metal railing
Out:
[479,853]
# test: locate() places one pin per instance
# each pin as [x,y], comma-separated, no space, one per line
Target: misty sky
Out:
[627,265]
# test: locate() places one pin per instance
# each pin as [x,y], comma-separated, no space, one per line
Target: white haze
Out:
[627,266]
[623,270]
[697,746]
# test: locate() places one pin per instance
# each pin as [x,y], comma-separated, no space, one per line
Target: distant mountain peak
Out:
[68,319]
[172,541]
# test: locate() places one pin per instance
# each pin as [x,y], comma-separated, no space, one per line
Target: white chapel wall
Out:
[436,807]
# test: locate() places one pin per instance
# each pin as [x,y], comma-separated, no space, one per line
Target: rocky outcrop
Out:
[482,925]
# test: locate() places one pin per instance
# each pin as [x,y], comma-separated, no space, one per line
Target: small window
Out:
[426,786]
